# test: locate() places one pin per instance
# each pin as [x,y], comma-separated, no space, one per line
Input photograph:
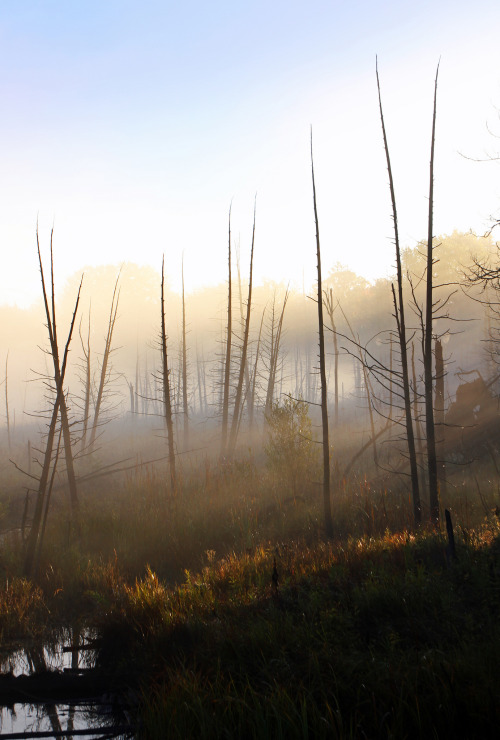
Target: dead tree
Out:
[7,401]
[167,404]
[439,417]
[54,350]
[254,375]
[322,372]
[401,331]
[184,367]
[274,341]
[247,392]
[416,414]
[427,339]
[238,401]
[366,382]
[330,310]
[59,406]
[87,381]
[227,363]
[104,377]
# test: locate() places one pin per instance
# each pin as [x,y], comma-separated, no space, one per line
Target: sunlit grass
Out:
[374,633]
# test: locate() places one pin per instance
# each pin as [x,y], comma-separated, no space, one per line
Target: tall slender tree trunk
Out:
[322,371]
[238,401]
[401,330]
[254,375]
[440,424]
[184,367]
[429,408]
[330,309]
[87,381]
[276,332]
[247,393]
[227,363]
[416,414]
[51,321]
[165,376]
[105,362]
[7,401]
[59,375]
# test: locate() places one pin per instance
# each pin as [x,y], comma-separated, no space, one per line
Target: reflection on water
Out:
[60,718]
[72,652]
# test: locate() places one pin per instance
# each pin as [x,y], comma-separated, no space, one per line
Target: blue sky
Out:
[130,127]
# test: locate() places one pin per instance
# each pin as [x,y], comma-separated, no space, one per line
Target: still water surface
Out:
[64,718]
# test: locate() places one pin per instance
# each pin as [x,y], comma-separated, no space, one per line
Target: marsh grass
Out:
[375,637]
[372,634]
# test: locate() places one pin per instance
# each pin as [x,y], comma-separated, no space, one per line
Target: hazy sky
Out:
[130,126]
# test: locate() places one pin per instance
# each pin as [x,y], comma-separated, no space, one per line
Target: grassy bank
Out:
[373,634]
[368,638]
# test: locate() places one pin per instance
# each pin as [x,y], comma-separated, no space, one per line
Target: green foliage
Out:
[291,452]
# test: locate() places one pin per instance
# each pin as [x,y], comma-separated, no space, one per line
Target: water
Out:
[65,654]
[58,655]
[60,718]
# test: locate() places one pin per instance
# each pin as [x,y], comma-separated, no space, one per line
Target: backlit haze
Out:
[131,126]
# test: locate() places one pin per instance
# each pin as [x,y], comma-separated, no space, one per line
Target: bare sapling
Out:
[105,375]
[322,371]
[399,314]
[238,401]
[165,378]
[227,362]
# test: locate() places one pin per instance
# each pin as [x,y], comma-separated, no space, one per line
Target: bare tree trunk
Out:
[274,351]
[330,309]
[239,388]
[367,384]
[227,364]
[322,371]
[429,409]
[105,362]
[401,329]
[391,381]
[167,404]
[137,382]
[416,414]
[87,380]
[254,375]
[184,367]
[247,393]
[51,321]
[132,399]
[59,374]
[46,506]
[440,426]
[7,401]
